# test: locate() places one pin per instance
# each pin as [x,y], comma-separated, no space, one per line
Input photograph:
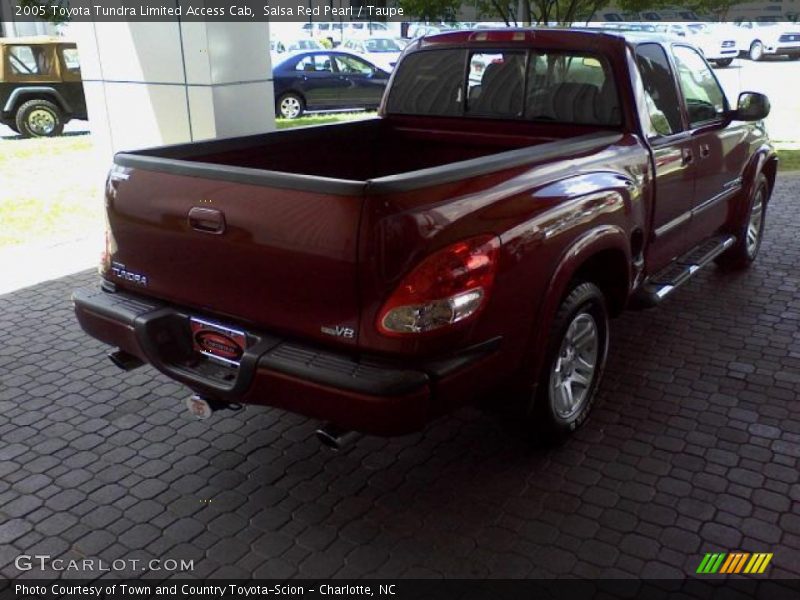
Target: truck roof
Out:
[549,36]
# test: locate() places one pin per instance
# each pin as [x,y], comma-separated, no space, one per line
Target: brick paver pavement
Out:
[692,448]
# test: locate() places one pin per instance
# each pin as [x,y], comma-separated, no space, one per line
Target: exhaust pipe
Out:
[200,407]
[334,438]
[124,360]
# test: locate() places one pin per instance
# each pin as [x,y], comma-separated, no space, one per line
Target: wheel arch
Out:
[21,95]
[292,91]
[764,161]
[770,171]
[601,256]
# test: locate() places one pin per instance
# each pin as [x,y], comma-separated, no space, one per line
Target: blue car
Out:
[326,80]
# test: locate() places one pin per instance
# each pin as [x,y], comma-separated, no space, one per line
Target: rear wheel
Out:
[724,62]
[748,237]
[39,118]
[756,50]
[575,360]
[290,106]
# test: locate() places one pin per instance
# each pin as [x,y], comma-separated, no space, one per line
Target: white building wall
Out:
[150,84]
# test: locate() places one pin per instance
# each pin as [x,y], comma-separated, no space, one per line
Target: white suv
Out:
[718,43]
[769,37]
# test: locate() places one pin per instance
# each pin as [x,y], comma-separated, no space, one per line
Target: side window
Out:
[22,60]
[317,63]
[352,65]
[71,61]
[705,100]
[661,95]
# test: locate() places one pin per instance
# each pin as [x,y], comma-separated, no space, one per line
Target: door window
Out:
[71,61]
[352,65]
[27,60]
[705,100]
[661,96]
[316,63]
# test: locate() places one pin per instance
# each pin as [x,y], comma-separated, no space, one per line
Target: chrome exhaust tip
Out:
[335,438]
[124,360]
[199,407]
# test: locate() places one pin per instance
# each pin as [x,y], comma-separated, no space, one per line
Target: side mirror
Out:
[751,106]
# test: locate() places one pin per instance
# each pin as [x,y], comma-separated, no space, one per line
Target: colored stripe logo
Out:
[734,562]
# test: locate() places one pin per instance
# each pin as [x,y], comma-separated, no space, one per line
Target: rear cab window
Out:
[525,84]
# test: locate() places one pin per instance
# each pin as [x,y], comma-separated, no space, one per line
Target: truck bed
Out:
[264,231]
[341,158]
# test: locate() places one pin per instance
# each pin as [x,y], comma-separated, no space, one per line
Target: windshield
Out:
[381,45]
[533,85]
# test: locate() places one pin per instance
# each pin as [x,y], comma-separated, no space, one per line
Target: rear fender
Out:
[765,161]
[594,241]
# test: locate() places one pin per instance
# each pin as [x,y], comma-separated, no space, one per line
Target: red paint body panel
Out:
[311,230]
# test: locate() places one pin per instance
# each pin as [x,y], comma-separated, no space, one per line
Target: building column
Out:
[149,84]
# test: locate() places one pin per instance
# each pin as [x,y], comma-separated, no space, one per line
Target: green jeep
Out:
[40,85]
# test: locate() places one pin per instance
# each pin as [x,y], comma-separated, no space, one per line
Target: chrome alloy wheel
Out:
[41,122]
[754,225]
[574,368]
[290,107]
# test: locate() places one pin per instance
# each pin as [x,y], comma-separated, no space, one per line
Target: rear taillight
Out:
[115,175]
[105,255]
[447,287]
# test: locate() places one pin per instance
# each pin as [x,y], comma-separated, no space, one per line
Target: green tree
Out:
[718,8]
[534,12]
[432,10]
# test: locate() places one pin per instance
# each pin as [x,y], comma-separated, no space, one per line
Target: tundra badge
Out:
[119,271]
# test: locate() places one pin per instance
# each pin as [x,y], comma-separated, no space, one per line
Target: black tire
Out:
[547,414]
[723,62]
[39,118]
[742,254]
[283,107]
[756,51]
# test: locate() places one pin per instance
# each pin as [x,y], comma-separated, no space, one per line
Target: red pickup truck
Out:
[518,188]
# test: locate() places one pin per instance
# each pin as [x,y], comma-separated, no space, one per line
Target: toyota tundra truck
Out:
[517,189]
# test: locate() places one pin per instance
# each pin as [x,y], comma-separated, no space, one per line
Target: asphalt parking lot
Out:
[693,448]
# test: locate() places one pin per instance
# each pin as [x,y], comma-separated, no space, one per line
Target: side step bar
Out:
[679,271]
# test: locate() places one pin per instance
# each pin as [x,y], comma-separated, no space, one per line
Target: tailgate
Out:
[272,258]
